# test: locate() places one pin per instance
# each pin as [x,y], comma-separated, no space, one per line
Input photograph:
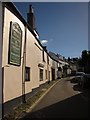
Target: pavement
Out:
[64,100]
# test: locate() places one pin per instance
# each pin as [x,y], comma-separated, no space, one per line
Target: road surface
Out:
[64,100]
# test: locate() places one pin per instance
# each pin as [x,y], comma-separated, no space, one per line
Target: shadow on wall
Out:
[73,107]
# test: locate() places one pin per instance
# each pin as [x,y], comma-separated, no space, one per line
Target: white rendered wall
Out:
[12,74]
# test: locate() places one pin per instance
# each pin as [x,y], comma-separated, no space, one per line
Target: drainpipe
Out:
[23,68]
[1,76]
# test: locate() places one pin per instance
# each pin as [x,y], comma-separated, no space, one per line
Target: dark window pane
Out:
[27,74]
[41,74]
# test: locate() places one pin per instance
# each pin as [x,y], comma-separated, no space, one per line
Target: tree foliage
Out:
[85,61]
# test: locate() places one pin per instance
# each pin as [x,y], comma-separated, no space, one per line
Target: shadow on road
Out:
[84,90]
[73,107]
[77,87]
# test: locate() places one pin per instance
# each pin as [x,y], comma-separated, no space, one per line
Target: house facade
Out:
[62,68]
[25,64]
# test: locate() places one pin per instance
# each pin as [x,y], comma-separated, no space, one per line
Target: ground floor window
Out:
[41,74]
[59,69]
[27,73]
[46,73]
[49,75]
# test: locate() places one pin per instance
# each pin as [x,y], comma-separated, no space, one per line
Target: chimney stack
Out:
[31,17]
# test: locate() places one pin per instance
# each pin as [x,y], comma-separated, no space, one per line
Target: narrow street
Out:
[64,100]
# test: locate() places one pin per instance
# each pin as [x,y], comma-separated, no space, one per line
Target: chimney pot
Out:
[31,9]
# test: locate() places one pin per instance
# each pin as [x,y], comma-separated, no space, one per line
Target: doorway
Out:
[53,73]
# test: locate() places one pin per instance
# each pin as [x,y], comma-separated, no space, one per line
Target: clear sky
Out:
[63,24]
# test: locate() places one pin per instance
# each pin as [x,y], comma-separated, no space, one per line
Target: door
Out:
[53,74]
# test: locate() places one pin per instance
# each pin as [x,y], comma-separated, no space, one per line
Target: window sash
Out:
[27,74]
[41,74]
[46,73]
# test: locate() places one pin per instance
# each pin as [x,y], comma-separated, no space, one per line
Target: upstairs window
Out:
[47,59]
[27,73]
[43,56]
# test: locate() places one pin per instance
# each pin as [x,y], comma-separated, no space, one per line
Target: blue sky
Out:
[63,24]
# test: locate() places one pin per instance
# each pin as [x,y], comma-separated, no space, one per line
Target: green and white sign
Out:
[15,44]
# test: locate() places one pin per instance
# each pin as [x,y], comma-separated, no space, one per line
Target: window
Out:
[47,59]
[43,56]
[27,74]
[46,73]
[59,69]
[49,75]
[41,74]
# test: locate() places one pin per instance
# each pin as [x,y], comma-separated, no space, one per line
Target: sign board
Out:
[1,61]
[15,43]
[40,65]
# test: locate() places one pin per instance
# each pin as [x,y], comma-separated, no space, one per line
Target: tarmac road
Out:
[64,100]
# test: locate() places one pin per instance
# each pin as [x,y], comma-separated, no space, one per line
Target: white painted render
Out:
[12,74]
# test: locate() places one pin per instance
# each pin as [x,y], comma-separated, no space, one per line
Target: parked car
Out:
[85,81]
[79,76]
